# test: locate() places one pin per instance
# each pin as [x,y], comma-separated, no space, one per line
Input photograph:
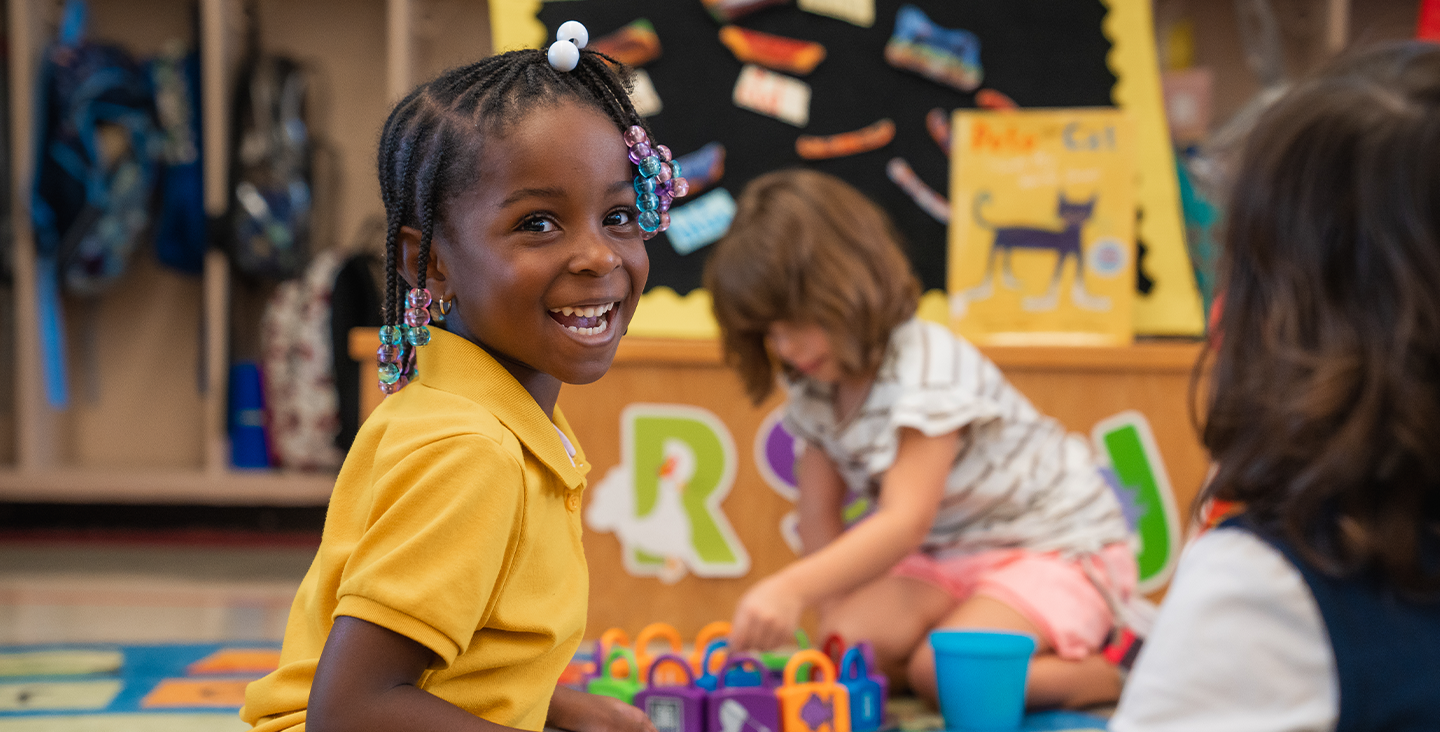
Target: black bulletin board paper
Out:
[1040,53]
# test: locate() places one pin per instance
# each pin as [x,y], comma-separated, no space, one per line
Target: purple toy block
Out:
[743,708]
[673,708]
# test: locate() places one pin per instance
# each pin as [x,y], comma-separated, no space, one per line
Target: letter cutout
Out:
[677,463]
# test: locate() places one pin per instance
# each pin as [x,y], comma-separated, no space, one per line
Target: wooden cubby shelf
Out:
[149,426]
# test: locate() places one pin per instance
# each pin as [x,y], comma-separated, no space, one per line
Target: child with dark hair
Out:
[1317,607]
[449,591]
[932,494]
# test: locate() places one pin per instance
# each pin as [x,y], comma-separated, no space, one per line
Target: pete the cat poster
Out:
[1042,227]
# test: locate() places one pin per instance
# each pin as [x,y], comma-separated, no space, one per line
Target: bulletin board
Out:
[1038,53]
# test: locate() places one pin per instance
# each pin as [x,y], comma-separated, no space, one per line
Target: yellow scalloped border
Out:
[1173,308]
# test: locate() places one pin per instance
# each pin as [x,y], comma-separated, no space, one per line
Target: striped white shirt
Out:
[1021,481]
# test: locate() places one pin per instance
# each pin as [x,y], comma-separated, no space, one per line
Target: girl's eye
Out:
[537,224]
[619,217]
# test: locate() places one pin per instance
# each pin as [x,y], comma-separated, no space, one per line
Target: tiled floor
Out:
[131,592]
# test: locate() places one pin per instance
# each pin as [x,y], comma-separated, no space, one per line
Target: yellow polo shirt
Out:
[455,522]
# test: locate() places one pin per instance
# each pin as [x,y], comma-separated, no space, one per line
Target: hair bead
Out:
[573,31]
[563,56]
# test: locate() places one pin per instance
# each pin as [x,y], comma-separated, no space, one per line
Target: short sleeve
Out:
[439,540]
[942,384]
[1239,645]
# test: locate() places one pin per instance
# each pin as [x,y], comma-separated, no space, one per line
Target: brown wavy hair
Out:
[1324,408]
[807,247]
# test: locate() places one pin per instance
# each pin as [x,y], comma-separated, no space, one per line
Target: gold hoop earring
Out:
[445,307]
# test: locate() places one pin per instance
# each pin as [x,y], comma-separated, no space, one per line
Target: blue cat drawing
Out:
[1065,242]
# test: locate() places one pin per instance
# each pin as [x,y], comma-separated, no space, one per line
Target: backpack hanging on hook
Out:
[94,178]
[269,221]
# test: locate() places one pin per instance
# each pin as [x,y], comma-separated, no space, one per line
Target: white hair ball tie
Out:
[564,54]
[573,31]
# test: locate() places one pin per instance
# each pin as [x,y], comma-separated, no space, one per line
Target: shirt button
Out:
[572,502]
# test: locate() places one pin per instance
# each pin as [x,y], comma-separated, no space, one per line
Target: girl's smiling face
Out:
[543,256]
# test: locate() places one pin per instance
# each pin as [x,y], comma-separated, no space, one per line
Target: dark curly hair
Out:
[1324,405]
[432,139]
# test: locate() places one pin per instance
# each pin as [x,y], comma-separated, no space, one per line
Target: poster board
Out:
[1076,53]
[1042,227]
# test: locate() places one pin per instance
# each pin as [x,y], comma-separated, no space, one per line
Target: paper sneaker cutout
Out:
[704,167]
[773,95]
[869,138]
[700,222]
[634,45]
[790,55]
[949,56]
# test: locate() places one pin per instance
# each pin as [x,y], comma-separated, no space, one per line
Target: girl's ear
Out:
[409,247]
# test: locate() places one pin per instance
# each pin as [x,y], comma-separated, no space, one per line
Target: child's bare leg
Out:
[894,614]
[1052,682]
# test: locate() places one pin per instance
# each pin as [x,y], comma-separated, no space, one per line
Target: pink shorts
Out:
[1051,591]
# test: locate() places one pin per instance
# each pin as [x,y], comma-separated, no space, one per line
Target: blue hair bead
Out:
[418,336]
[389,373]
[675,168]
[391,335]
[649,166]
[649,220]
[644,185]
[647,201]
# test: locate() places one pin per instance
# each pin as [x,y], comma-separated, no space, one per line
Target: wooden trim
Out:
[177,486]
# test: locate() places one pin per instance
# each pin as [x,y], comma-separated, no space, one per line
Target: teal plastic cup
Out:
[981,678]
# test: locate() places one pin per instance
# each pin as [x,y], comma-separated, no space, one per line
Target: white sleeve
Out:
[1239,645]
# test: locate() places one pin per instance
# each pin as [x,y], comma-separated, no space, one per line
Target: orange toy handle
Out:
[648,635]
[809,655]
[708,634]
[612,638]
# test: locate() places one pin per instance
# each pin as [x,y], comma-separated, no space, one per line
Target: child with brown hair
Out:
[1316,609]
[932,494]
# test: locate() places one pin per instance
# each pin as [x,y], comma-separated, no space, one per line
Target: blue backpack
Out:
[94,179]
[97,166]
[180,238]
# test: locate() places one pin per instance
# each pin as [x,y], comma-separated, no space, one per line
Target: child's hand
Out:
[767,616]
[582,712]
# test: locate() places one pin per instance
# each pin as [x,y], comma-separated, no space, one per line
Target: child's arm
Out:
[910,495]
[822,499]
[366,681]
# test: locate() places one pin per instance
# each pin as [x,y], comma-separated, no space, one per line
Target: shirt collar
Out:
[453,364]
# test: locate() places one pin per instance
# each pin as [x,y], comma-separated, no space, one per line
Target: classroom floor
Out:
[173,589]
[119,593]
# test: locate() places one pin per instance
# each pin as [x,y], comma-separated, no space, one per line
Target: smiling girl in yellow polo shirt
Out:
[450,587]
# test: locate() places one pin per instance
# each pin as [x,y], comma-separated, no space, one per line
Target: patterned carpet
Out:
[151,688]
[200,687]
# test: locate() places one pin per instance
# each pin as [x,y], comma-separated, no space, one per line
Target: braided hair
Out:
[428,152]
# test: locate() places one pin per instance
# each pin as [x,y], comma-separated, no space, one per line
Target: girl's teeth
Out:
[589,312]
[590,331]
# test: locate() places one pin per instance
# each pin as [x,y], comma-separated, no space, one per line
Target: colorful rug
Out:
[200,687]
[114,688]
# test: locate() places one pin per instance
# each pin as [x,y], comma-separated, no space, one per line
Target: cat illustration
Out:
[1064,242]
